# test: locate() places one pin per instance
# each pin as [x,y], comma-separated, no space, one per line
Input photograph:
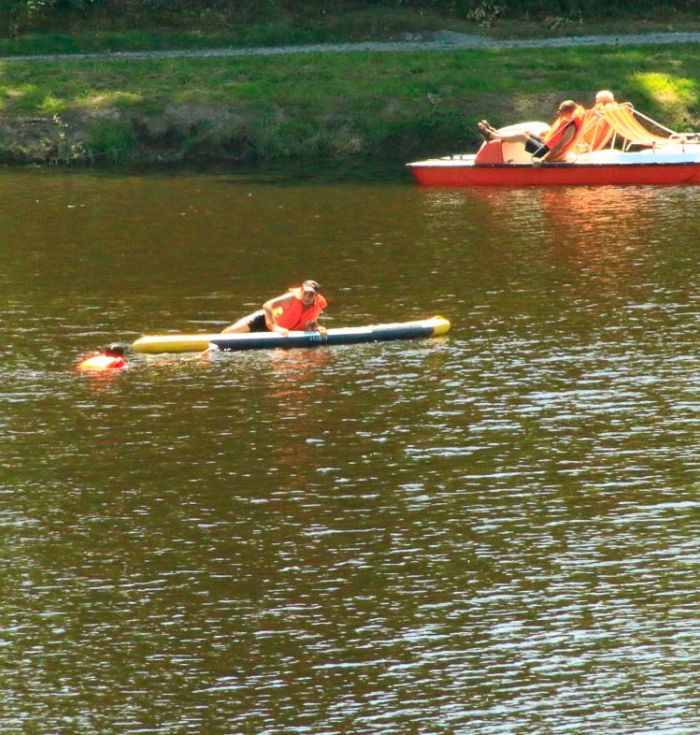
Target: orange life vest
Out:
[294,316]
[97,363]
[597,131]
[559,126]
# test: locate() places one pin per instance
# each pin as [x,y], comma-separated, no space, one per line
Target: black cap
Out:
[115,349]
[311,286]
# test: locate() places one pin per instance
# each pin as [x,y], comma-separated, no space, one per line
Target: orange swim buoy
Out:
[111,359]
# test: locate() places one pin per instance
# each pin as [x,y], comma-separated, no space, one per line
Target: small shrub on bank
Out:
[111,141]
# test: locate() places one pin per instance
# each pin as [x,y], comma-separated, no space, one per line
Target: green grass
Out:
[392,105]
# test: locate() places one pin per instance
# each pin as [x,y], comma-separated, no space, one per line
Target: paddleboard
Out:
[154,344]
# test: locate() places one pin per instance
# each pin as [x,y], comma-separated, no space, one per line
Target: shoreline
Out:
[292,106]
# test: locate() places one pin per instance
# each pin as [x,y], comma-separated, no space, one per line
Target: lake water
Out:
[495,532]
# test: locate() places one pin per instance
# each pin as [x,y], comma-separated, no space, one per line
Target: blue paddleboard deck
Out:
[154,344]
[342,336]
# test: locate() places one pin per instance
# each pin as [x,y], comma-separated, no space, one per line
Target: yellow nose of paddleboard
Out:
[157,343]
[442,325]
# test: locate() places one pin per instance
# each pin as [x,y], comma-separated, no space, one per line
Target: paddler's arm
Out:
[566,138]
[315,327]
[269,307]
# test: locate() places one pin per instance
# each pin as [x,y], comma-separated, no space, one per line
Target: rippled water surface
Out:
[495,532]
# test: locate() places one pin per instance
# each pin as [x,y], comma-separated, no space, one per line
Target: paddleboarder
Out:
[296,310]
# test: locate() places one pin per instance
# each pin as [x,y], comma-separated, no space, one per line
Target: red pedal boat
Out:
[617,146]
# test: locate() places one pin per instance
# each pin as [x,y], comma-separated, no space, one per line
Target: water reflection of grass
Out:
[319,106]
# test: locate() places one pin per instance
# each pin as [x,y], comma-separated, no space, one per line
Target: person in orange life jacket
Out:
[111,358]
[296,310]
[553,145]
[597,130]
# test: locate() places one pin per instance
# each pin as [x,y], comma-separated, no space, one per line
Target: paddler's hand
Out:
[281,330]
[322,331]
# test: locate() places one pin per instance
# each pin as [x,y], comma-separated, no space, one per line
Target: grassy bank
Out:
[392,106]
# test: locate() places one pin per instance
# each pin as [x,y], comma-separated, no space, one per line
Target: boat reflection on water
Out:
[606,231]
[601,231]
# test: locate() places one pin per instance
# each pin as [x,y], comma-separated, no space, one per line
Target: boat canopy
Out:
[620,125]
